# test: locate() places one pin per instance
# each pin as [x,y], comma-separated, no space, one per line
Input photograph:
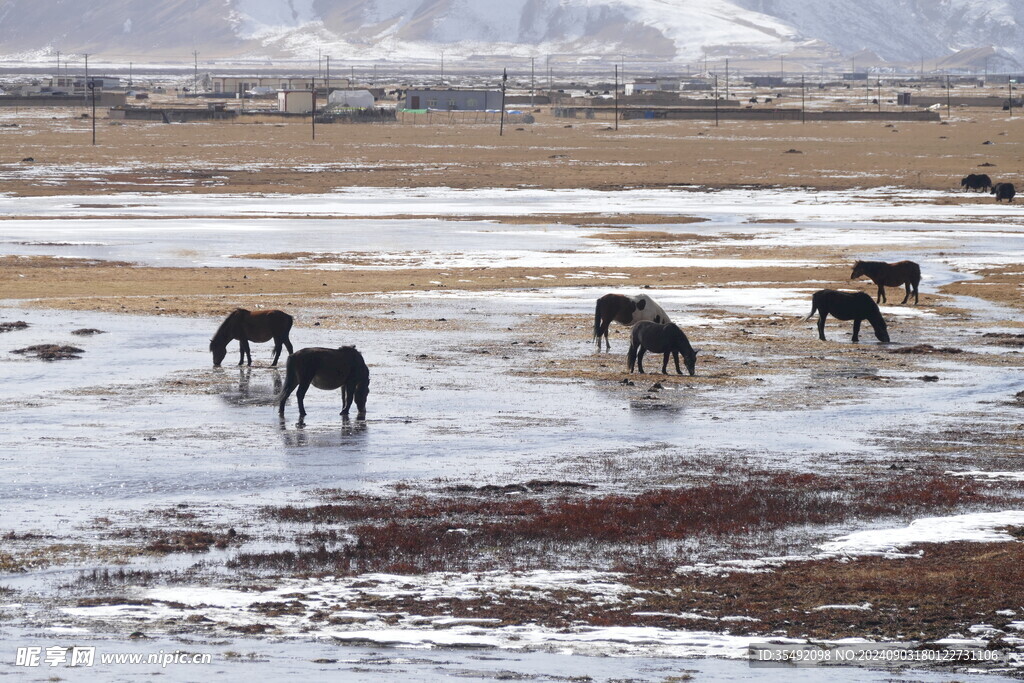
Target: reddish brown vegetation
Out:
[951,587]
[185,541]
[419,534]
[927,349]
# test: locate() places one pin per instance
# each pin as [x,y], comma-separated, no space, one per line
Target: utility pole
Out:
[312,114]
[549,75]
[1009,88]
[86,55]
[442,67]
[129,74]
[879,94]
[726,78]
[504,81]
[948,103]
[532,83]
[92,91]
[57,81]
[803,100]
[195,83]
[616,97]
[716,100]
[327,80]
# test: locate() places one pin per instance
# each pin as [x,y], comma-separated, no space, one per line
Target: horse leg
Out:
[347,394]
[277,353]
[241,352]
[664,363]
[881,295]
[821,325]
[856,329]
[640,359]
[291,380]
[299,395]
[675,357]
[907,297]
[916,285]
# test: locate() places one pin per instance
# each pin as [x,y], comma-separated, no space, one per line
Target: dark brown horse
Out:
[855,306]
[625,310]
[245,326]
[901,273]
[657,338]
[327,369]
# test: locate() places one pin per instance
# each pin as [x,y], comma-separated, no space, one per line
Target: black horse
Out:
[901,273]
[247,326]
[660,338]
[1004,191]
[856,306]
[327,369]
[976,181]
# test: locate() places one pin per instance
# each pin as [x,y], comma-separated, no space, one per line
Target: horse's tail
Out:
[814,308]
[597,320]
[291,380]
[631,356]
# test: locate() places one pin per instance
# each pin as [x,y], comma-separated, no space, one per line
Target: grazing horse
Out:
[1003,191]
[246,326]
[979,181]
[660,338]
[327,369]
[890,275]
[855,306]
[625,310]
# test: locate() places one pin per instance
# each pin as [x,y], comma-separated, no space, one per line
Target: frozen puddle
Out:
[235,607]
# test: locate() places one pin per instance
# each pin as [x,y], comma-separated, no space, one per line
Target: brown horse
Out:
[657,338]
[327,369]
[625,310]
[902,273]
[855,306]
[246,326]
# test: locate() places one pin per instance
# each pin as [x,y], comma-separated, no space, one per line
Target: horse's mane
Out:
[223,333]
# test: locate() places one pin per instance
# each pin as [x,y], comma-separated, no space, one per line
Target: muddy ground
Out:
[511,488]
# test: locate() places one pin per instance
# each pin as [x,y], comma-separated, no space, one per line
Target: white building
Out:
[295,101]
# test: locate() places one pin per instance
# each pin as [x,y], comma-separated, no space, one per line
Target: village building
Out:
[295,101]
[453,100]
[240,85]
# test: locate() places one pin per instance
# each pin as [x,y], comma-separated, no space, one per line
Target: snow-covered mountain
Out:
[397,30]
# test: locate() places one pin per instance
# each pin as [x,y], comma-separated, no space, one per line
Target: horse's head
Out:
[690,361]
[858,270]
[218,353]
[881,329]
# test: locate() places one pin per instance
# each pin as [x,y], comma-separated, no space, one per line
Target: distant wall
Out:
[778,115]
[103,99]
[170,115]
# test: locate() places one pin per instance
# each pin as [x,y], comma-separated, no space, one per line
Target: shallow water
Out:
[143,421]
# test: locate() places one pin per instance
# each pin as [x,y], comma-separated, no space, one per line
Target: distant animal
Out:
[1003,191]
[247,326]
[899,274]
[664,338]
[626,310]
[855,306]
[976,181]
[327,369]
